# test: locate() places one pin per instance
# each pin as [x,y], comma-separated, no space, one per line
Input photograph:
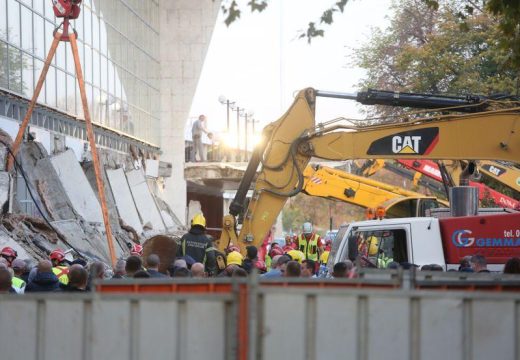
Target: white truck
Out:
[429,240]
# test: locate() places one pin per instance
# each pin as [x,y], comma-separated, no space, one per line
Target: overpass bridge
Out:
[212,183]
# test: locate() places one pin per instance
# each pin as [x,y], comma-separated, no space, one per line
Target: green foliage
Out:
[232,11]
[314,29]
[11,65]
[424,50]
[292,217]
[507,14]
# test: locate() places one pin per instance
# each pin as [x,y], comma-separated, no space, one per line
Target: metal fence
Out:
[243,318]
[216,153]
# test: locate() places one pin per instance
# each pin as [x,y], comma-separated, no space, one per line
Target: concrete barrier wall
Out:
[115,327]
[283,322]
[387,324]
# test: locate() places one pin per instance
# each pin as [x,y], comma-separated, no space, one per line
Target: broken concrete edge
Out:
[69,231]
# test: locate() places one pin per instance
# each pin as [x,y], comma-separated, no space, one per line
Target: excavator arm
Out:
[502,172]
[294,139]
[358,190]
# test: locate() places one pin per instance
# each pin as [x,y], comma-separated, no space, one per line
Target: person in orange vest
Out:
[59,266]
[309,243]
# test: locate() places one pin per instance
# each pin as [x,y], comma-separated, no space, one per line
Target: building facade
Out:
[141,61]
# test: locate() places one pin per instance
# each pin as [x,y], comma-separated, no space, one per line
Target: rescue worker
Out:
[136,250]
[324,257]
[196,244]
[376,251]
[9,254]
[60,268]
[274,251]
[268,239]
[234,261]
[18,269]
[220,257]
[296,255]
[309,243]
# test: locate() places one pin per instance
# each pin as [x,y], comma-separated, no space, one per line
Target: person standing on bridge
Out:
[199,127]
[198,245]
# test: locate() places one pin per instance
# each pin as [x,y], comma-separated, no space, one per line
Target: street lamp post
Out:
[229,104]
[249,118]
[240,112]
[245,147]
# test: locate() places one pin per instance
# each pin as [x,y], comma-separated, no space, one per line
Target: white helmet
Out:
[307,228]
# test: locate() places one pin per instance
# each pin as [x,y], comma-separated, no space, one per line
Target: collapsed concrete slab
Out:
[4,189]
[170,220]
[77,187]
[124,199]
[43,195]
[144,201]
[113,216]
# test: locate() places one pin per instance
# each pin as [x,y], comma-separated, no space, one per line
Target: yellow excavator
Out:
[339,185]
[481,129]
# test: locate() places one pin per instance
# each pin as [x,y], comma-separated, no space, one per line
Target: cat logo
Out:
[405,144]
[494,169]
[414,142]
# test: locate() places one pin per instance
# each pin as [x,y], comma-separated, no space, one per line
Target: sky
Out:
[259,62]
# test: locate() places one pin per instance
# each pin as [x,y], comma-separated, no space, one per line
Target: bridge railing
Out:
[216,153]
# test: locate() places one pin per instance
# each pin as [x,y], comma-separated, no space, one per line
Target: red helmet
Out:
[137,250]
[232,248]
[57,255]
[287,248]
[275,251]
[9,252]
[260,265]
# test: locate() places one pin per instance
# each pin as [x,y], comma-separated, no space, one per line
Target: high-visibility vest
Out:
[309,247]
[324,258]
[383,261]
[268,262]
[62,273]
[18,284]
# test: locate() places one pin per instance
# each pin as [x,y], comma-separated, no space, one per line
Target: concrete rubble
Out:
[51,201]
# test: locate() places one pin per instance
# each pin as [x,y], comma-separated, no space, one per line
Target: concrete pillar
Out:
[186,27]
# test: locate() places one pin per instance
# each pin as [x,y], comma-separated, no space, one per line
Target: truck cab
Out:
[379,242]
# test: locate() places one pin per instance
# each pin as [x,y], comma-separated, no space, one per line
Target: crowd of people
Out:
[304,256]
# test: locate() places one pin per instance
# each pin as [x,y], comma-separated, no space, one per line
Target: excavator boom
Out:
[358,190]
[290,142]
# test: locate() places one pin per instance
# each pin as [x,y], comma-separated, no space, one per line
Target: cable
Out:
[19,167]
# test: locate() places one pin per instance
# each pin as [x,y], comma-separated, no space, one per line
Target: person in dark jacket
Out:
[6,283]
[251,258]
[78,279]
[45,280]
[196,244]
[152,266]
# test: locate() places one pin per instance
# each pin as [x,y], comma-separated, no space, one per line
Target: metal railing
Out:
[216,153]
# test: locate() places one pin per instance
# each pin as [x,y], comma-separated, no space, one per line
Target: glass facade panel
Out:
[87,24]
[28,75]
[87,73]
[71,94]
[3,20]
[13,22]
[50,86]
[38,66]
[61,89]
[4,65]
[38,6]
[27,33]
[49,30]
[39,37]
[95,31]
[118,44]
[15,69]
